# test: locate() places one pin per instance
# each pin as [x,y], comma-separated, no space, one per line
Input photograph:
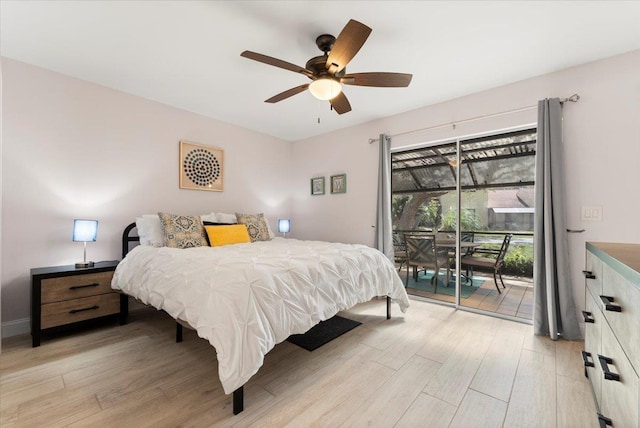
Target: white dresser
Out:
[612,331]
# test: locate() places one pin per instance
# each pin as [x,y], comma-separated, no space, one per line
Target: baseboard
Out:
[16,327]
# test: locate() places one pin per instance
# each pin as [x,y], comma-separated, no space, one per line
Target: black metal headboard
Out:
[128,238]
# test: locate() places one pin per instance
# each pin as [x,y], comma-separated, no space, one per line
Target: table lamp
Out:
[85,231]
[284,226]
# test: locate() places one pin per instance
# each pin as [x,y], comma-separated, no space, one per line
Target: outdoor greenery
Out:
[413,212]
[432,214]
[468,221]
[429,215]
[518,261]
[397,208]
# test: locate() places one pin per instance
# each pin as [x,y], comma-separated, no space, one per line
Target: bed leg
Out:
[178,332]
[124,309]
[388,307]
[238,400]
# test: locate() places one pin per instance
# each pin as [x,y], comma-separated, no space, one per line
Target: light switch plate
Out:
[591,214]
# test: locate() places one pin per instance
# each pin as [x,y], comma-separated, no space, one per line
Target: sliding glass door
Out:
[468,207]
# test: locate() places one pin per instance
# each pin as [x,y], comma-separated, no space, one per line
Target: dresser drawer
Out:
[70,311]
[592,345]
[619,397]
[75,286]
[593,274]
[626,323]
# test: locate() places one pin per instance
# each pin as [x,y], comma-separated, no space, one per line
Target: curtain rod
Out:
[573,98]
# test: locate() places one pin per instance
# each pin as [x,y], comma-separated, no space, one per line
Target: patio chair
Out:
[471,261]
[399,250]
[423,253]
[467,237]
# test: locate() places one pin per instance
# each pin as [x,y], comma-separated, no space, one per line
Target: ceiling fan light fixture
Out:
[325,88]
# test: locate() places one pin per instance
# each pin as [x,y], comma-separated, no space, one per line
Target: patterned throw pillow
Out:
[256,226]
[182,231]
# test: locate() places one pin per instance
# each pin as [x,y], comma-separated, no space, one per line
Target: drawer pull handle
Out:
[75,311]
[608,374]
[604,421]
[585,357]
[588,317]
[588,274]
[77,287]
[607,301]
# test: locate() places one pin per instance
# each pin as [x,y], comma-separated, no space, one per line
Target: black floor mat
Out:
[323,333]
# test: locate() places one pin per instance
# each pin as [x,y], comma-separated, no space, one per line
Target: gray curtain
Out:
[554,309]
[384,234]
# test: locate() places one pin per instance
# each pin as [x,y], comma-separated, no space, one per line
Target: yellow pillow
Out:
[224,235]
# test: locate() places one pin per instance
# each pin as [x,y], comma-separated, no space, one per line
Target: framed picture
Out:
[339,183]
[201,167]
[317,186]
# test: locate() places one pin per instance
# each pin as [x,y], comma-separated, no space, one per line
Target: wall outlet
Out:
[591,214]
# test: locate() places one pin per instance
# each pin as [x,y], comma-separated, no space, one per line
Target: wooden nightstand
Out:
[64,295]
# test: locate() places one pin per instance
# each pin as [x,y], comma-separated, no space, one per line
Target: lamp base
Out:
[84,264]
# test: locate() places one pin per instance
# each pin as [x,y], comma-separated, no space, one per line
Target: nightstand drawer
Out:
[75,286]
[69,311]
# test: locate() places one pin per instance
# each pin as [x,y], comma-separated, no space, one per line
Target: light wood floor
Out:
[432,366]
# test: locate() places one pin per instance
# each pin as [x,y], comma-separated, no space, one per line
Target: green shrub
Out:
[519,261]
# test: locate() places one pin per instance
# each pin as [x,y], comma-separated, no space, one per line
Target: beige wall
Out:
[73,149]
[602,148]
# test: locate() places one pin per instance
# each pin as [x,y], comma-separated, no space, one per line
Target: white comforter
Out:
[246,298]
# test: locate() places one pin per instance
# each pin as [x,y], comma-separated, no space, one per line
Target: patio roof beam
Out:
[467,187]
[499,157]
[508,146]
[472,172]
[522,145]
[451,167]
[419,158]
[415,179]
[466,161]
[475,140]
[499,136]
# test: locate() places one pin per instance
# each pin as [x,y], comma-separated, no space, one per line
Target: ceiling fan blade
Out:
[384,80]
[276,62]
[340,103]
[288,93]
[347,45]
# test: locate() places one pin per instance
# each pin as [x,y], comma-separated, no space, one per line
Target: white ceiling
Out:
[187,53]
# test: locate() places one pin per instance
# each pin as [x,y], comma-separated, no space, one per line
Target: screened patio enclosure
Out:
[497,161]
[497,178]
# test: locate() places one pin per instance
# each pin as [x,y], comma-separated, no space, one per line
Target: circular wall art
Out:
[201,167]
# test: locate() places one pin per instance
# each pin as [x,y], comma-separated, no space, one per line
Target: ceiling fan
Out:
[328,72]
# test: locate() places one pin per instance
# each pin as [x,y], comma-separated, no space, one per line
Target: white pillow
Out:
[271,235]
[232,219]
[209,217]
[150,230]
[226,218]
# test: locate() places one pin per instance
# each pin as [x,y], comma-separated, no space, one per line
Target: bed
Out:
[246,298]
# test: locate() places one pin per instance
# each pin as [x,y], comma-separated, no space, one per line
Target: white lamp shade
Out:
[284,225]
[325,88]
[85,230]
